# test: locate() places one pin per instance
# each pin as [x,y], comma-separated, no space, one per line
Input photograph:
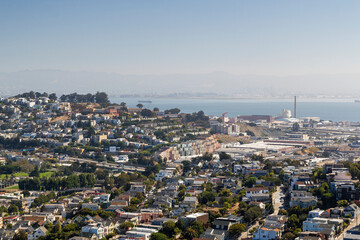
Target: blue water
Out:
[334,110]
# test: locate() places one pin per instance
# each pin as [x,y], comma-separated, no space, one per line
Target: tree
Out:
[224,156]
[35,172]
[282,212]
[169,229]
[326,154]
[293,222]
[252,214]
[296,127]
[198,227]
[123,106]
[187,166]
[26,193]
[102,98]
[53,96]
[140,106]
[190,233]
[156,109]
[135,201]
[158,236]
[125,226]
[109,183]
[225,193]
[20,235]
[57,228]
[180,224]
[206,197]
[243,206]
[172,111]
[257,157]
[13,208]
[342,203]
[147,113]
[250,182]
[236,229]
[288,236]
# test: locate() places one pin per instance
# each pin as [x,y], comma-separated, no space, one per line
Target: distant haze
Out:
[219,83]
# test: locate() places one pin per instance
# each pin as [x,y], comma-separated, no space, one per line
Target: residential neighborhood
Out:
[79,167]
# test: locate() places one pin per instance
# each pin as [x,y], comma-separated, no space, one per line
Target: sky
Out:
[259,37]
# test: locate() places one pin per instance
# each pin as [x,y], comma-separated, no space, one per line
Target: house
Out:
[234,219]
[311,236]
[327,226]
[39,232]
[221,224]
[250,192]
[93,228]
[303,202]
[336,212]
[353,233]
[137,187]
[54,207]
[164,174]
[272,228]
[213,234]
[130,217]
[304,185]
[199,217]
[109,227]
[264,233]
[104,198]
[190,202]
[257,194]
[91,206]
[140,233]
[352,210]
[316,213]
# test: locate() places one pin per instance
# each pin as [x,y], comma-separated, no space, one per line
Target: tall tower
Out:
[295,107]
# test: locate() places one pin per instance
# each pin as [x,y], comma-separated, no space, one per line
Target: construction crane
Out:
[223,121]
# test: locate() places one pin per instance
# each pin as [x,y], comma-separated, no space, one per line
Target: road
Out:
[278,199]
[351,225]
[106,164]
[247,234]
[278,203]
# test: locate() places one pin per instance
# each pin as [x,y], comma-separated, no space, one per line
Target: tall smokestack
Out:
[295,107]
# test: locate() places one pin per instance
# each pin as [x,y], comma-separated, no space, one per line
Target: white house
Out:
[94,228]
[265,233]
[328,226]
[39,232]
[256,190]
[122,159]
[91,206]
[164,174]
[104,198]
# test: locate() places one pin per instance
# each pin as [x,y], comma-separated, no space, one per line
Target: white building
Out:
[264,233]
[122,159]
[256,190]
[94,228]
[39,232]
[164,174]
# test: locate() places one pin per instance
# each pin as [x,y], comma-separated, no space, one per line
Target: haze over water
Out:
[334,110]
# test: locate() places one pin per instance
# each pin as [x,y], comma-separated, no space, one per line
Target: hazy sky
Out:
[189,36]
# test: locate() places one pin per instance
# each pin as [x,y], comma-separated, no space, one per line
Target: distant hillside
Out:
[220,83]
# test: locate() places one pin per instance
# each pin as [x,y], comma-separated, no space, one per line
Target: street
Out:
[351,225]
[278,199]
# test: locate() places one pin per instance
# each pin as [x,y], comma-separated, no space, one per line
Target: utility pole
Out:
[223,122]
[295,107]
